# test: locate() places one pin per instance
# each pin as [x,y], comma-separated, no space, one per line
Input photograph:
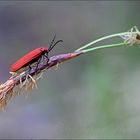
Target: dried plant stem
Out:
[26,80]
[16,84]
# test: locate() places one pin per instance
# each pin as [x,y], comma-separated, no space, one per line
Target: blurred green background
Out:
[96,95]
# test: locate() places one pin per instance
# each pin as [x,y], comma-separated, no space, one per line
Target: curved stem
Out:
[104,46]
[103,38]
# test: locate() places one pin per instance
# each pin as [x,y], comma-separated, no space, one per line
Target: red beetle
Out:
[29,59]
[32,57]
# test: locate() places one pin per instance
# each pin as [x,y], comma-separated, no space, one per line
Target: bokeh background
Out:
[96,95]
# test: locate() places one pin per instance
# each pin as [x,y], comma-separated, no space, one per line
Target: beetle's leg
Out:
[39,60]
[29,68]
[46,56]
[26,78]
[29,76]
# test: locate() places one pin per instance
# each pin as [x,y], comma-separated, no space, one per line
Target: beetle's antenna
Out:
[52,41]
[52,46]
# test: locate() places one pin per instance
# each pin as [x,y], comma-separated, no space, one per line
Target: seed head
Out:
[132,37]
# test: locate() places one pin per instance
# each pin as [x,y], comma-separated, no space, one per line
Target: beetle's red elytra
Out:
[29,58]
